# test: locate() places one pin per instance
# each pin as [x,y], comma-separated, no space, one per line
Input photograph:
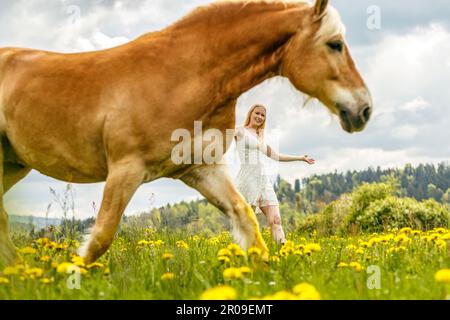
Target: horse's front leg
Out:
[215,183]
[122,182]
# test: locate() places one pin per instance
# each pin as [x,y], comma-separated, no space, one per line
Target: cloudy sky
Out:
[405,60]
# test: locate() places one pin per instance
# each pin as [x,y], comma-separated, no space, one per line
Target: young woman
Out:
[253,181]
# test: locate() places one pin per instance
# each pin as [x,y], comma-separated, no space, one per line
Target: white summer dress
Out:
[253,180]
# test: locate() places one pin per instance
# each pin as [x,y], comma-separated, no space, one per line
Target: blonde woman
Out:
[253,181]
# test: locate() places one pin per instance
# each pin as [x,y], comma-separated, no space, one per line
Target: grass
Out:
[162,265]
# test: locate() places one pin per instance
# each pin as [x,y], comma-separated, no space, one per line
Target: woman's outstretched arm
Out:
[271,153]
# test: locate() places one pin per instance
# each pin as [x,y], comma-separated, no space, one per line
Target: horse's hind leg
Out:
[122,182]
[215,183]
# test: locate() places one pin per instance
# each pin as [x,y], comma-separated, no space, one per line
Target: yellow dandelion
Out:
[34,272]
[28,250]
[225,253]
[254,252]
[47,281]
[313,247]
[360,251]
[245,270]
[219,293]
[343,265]
[4,280]
[66,267]
[182,245]
[78,261]
[168,276]
[356,265]
[443,276]
[232,273]
[224,259]
[10,271]
[45,259]
[306,291]
[168,256]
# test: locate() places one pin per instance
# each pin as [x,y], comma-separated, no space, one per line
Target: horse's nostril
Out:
[366,113]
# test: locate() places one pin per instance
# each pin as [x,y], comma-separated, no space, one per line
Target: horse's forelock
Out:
[331,25]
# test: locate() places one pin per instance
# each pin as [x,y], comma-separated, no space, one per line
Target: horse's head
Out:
[318,62]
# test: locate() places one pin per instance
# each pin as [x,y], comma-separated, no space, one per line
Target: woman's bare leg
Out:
[273,216]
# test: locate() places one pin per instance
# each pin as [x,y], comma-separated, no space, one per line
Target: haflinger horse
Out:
[109,115]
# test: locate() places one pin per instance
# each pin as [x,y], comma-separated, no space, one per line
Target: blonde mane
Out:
[331,22]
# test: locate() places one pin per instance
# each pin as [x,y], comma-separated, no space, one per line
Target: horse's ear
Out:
[320,7]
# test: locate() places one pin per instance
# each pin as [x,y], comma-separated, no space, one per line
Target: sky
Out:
[402,49]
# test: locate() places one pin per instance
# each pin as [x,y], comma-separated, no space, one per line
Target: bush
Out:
[393,212]
[374,208]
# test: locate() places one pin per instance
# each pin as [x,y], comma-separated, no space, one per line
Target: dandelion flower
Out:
[232,273]
[4,280]
[28,250]
[443,276]
[219,293]
[306,291]
[168,276]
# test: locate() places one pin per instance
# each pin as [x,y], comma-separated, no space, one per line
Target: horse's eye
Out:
[336,46]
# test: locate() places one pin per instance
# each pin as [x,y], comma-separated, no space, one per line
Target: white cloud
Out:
[418,104]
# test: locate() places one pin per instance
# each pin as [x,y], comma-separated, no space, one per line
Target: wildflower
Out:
[182,245]
[78,261]
[45,259]
[224,259]
[351,247]
[28,250]
[441,244]
[245,270]
[402,238]
[196,238]
[4,280]
[446,236]
[232,273]
[405,230]
[275,259]
[107,272]
[360,251]
[440,230]
[66,267]
[219,293]
[254,252]
[168,256]
[343,265]
[143,243]
[46,281]
[159,243]
[34,272]
[168,276]
[10,271]
[313,247]
[355,265]
[443,276]
[306,291]
[225,253]
[43,241]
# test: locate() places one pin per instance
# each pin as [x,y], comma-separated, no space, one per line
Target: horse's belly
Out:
[68,159]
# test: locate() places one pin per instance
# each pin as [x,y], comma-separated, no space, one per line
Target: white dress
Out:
[253,180]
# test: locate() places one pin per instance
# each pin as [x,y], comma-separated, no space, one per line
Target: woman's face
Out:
[258,117]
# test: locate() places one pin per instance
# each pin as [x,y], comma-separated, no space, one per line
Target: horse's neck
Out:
[240,46]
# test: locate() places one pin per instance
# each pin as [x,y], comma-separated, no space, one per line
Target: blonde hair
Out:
[260,130]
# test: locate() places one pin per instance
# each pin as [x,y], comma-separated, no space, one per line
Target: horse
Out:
[108,115]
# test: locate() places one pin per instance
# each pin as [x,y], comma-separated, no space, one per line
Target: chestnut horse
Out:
[109,115]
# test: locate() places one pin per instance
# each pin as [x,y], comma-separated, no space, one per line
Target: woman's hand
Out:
[308,160]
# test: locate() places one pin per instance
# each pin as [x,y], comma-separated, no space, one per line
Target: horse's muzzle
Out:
[354,119]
